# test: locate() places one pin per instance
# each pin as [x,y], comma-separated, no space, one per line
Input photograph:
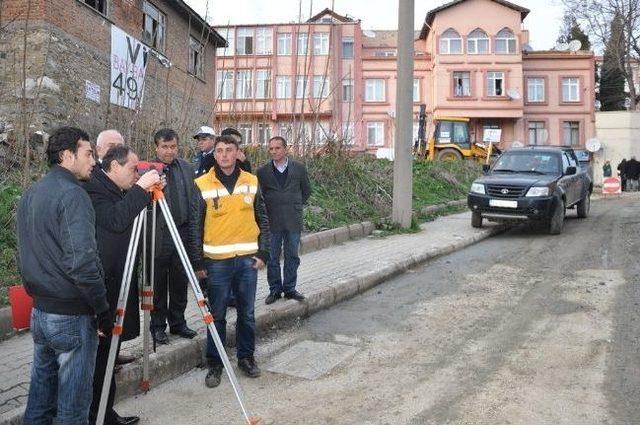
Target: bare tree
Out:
[597,16]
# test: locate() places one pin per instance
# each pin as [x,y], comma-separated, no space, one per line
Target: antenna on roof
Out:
[575,45]
[526,47]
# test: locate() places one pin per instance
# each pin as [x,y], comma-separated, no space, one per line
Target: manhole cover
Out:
[310,359]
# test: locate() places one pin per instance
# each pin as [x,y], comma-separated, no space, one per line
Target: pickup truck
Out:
[531,184]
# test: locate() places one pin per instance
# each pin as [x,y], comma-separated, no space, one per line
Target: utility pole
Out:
[403,163]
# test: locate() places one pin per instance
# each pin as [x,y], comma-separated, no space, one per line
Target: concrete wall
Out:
[619,133]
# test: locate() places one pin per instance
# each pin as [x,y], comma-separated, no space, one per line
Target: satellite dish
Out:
[593,145]
[517,144]
[513,94]
[369,33]
[562,47]
[527,47]
[574,45]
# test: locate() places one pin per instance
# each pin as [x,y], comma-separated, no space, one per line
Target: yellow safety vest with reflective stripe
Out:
[230,227]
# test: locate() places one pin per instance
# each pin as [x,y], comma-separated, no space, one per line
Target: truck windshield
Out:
[528,162]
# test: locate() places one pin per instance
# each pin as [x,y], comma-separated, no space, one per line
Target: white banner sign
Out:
[128,62]
[492,135]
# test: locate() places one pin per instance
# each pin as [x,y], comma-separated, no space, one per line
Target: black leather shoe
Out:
[124,420]
[160,337]
[232,302]
[212,379]
[272,297]
[124,359]
[249,367]
[185,332]
[294,295]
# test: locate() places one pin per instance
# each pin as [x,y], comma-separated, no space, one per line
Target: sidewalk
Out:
[326,277]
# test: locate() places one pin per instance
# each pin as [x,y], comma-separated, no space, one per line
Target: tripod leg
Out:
[147,305]
[120,311]
[152,259]
[208,318]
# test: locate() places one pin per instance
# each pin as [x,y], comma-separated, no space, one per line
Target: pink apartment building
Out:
[328,78]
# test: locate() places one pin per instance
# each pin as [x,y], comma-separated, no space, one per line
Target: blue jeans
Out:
[291,243]
[235,274]
[64,356]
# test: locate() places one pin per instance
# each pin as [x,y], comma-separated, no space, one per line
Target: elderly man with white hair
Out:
[106,140]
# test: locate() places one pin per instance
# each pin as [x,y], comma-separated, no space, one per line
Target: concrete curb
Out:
[188,354]
[435,208]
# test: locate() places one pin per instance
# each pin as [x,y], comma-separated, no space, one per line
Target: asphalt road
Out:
[524,328]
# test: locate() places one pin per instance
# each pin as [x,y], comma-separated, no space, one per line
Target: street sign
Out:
[611,185]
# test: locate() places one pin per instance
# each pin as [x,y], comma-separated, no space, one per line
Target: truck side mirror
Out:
[486,168]
[571,171]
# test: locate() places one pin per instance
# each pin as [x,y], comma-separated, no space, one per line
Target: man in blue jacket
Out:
[58,259]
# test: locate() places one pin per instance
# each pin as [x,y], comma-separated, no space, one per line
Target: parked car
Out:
[531,184]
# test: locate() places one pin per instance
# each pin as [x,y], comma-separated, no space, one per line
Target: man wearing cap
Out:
[205,159]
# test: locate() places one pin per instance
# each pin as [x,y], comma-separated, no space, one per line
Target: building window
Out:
[570,90]
[347,132]
[228,34]
[375,133]
[505,42]
[155,26]
[321,43]
[264,134]
[284,43]
[416,90]
[461,84]
[264,41]
[263,84]
[478,42]
[244,45]
[495,83]
[247,133]
[225,84]
[322,133]
[320,86]
[537,133]
[301,86]
[283,87]
[535,89]
[347,90]
[196,58]
[303,43]
[243,84]
[347,48]
[450,42]
[571,133]
[99,5]
[374,90]
[285,130]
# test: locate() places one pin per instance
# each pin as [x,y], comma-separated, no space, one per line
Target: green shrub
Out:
[9,195]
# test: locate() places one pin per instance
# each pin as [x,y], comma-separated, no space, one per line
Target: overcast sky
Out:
[543,22]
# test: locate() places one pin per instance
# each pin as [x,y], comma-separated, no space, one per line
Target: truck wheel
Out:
[557,219]
[448,155]
[476,219]
[583,206]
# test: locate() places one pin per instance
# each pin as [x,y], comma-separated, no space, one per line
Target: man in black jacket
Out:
[58,259]
[286,188]
[118,196]
[183,198]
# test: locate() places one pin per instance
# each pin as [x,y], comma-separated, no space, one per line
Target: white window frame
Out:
[492,84]
[246,129]
[320,86]
[461,90]
[570,128]
[283,87]
[320,43]
[375,90]
[152,15]
[378,128]
[348,41]
[347,90]
[284,43]
[302,43]
[264,133]
[535,90]
[264,41]
[196,58]
[301,86]
[224,83]
[478,43]
[416,90]
[228,34]
[506,43]
[537,130]
[245,41]
[244,85]
[448,40]
[571,89]
[263,84]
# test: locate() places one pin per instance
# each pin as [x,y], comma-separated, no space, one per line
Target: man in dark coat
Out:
[285,187]
[117,199]
[622,172]
[205,160]
[170,280]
